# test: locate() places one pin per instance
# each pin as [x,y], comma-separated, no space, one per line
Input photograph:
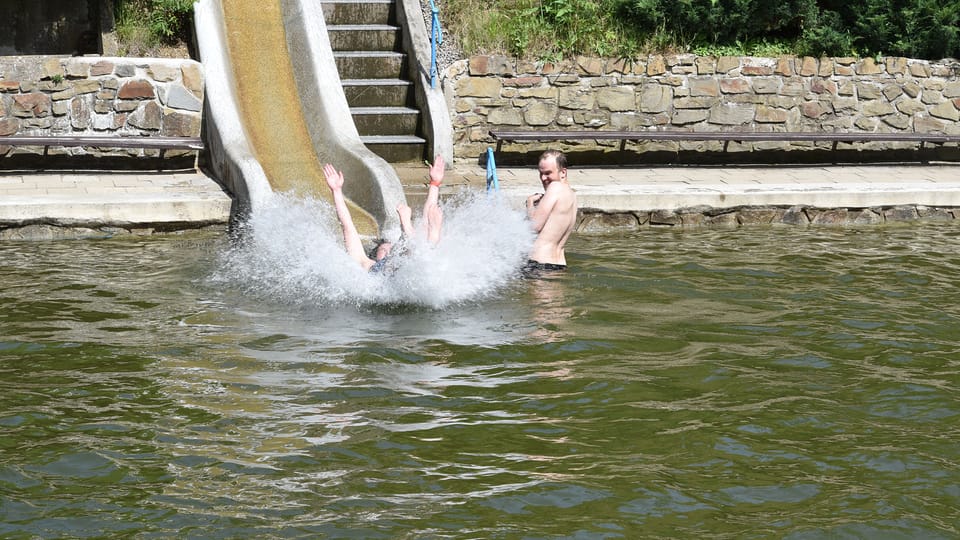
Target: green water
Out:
[756,383]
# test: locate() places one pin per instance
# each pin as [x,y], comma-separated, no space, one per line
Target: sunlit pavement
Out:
[620,188]
[192,197]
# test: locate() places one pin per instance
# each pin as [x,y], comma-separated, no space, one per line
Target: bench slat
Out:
[164,143]
[719,136]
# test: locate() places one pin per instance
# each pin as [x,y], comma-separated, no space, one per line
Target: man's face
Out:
[549,172]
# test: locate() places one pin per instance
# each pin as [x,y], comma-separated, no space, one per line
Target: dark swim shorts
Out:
[535,267]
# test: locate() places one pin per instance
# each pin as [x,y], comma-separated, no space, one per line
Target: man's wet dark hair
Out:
[376,245]
[559,156]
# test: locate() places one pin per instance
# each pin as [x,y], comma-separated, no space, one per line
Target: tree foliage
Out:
[915,28]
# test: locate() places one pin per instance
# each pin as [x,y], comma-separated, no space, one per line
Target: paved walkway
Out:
[126,199]
[112,198]
[670,188]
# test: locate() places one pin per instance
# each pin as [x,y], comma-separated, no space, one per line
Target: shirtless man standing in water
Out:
[553,214]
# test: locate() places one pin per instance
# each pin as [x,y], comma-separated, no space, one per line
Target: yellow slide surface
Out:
[270,106]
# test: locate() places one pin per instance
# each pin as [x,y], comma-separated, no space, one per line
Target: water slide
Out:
[275,111]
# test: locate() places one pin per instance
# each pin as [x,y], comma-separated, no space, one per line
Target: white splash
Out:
[292,251]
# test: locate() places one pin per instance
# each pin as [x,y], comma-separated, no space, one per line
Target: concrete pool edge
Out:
[50,204]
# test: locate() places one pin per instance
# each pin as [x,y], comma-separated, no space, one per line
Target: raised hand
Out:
[436,171]
[334,177]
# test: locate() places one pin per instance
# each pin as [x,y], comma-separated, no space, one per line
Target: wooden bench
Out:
[158,143]
[725,136]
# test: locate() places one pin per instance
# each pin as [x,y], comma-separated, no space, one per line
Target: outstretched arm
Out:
[351,238]
[436,179]
[406,219]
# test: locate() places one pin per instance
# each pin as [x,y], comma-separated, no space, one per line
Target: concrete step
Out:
[370,64]
[364,37]
[378,92]
[359,12]
[385,120]
[396,148]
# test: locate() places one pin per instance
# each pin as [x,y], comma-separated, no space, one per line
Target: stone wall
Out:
[98,96]
[688,92]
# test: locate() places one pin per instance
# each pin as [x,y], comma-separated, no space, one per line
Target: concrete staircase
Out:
[367,46]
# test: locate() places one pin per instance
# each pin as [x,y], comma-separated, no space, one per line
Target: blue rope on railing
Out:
[436,38]
[492,180]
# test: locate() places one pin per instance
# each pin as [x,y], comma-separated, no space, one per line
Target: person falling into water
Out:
[553,214]
[377,261]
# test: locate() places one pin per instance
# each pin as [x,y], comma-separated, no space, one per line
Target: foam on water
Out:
[292,251]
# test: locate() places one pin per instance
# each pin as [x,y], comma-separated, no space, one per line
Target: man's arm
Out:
[351,238]
[539,208]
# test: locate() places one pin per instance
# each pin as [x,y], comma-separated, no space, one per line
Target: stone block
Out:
[695,103]
[726,64]
[163,72]
[730,114]
[540,92]
[64,94]
[149,116]
[724,220]
[689,116]
[946,111]
[110,83]
[927,213]
[126,105]
[919,69]
[931,97]
[794,215]
[566,79]
[103,67]
[79,113]
[896,65]
[867,90]
[591,119]
[833,217]
[897,121]
[60,108]
[664,218]
[505,116]
[33,104]
[706,65]
[868,66]
[533,80]
[136,89]
[808,66]
[9,126]
[52,67]
[600,222]
[766,85]
[656,65]
[178,97]
[892,91]
[735,85]
[180,124]
[86,86]
[575,99]
[192,78]
[785,66]
[876,108]
[823,86]
[900,213]
[617,98]
[760,216]
[589,65]
[540,114]
[704,86]
[792,88]
[76,68]
[479,87]
[911,88]
[491,65]
[865,216]
[770,115]
[9,86]
[756,70]
[102,122]
[910,106]
[951,89]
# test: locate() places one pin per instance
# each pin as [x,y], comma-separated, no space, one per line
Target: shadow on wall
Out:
[68,27]
[527,155]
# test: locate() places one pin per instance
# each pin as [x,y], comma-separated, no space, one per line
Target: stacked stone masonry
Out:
[100,97]
[592,221]
[696,93]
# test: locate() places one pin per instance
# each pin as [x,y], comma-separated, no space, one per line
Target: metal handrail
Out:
[436,38]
